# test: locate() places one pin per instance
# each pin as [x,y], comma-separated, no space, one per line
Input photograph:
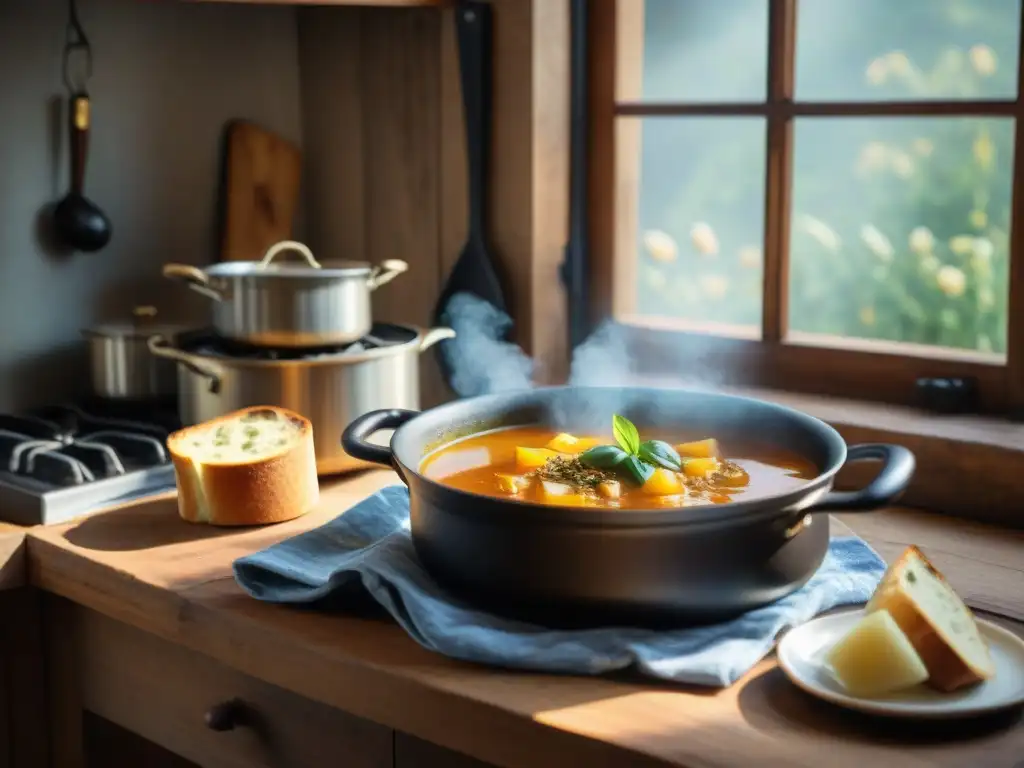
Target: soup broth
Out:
[539,465]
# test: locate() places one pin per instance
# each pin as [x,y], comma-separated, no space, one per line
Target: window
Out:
[812,195]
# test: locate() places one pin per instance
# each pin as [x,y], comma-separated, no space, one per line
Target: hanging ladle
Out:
[80,223]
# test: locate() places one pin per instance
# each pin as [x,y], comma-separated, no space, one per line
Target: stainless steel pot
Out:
[330,390]
[289,305]
[121,365]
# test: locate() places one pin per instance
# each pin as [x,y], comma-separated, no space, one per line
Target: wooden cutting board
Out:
[261,191]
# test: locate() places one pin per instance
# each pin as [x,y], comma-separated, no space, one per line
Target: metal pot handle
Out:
[897,470]
[385,272]
[196,279]
[161,347]
[354,438]
[434,335]
[288,245]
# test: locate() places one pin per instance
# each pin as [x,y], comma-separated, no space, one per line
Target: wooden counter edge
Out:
[13,561]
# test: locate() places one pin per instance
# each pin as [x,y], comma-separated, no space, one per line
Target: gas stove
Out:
[62,461]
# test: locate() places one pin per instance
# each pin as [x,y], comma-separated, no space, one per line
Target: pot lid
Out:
[308,267]
[143,324]
[327,269]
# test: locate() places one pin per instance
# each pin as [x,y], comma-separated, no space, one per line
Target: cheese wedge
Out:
[935,620]
[876,658]
[249,467]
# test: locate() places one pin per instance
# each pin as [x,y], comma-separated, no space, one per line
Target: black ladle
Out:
[80,224]
[474,271]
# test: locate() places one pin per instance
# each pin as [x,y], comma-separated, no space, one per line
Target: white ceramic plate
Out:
[801,655]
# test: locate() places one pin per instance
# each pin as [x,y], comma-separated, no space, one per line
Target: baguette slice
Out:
[938,624]
[250,467]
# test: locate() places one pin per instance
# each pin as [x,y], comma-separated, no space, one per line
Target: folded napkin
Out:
[369,549]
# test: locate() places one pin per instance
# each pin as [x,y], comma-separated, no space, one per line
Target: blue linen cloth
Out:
[369,549]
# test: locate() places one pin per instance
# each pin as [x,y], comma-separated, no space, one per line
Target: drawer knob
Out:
[225,716]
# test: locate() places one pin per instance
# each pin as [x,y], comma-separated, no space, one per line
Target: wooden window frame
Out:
[850,368]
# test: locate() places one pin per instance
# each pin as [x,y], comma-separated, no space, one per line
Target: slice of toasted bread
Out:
[938,624]
[249,467]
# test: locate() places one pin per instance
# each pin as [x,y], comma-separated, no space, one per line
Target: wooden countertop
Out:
[142,565]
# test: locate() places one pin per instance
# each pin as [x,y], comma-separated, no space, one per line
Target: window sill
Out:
[967,466]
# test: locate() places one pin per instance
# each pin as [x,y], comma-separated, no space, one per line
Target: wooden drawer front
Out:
[162,692]
[411,752]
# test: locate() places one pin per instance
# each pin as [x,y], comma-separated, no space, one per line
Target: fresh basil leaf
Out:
[603,457]
[638,471]
[660,453]
[625,434]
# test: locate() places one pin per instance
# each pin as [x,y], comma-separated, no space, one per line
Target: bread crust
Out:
[946,669]
[259,492]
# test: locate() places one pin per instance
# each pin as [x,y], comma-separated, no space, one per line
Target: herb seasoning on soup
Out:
[534,464]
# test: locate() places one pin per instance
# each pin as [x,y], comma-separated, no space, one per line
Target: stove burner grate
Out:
[65,446]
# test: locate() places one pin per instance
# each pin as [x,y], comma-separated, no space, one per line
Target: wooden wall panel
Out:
[401,133]
[330,61]
[371,109]
[548,194]
[452,149]
[385,154]
[529,186]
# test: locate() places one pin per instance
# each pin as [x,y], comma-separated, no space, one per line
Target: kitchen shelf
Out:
[364,3]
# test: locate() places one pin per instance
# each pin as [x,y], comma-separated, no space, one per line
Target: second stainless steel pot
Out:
[270,304]
[328,389]
[121,365]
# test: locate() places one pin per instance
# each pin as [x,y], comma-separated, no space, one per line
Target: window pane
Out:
[700,219]
[702,50]
[900,230]
[902,50]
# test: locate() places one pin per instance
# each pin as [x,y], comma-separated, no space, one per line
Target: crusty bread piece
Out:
[938,624]
[250,467]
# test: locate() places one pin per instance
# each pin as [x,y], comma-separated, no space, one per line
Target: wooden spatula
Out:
[261,188]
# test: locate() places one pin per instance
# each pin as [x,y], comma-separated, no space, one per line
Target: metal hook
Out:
[75,39]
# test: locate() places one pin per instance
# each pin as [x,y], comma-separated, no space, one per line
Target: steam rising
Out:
[480,362]
[602,360]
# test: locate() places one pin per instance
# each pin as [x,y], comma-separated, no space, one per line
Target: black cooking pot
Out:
[566,565]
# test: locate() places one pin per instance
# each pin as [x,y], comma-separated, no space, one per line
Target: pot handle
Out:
[197,280]
[354,441]
[288,245]
[160,347]
[385,272]
[897,470]
[434,335]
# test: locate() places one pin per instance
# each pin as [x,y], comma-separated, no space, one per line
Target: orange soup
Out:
[621,471]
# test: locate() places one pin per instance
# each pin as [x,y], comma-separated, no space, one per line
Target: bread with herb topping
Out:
[938,624]
[251,467]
